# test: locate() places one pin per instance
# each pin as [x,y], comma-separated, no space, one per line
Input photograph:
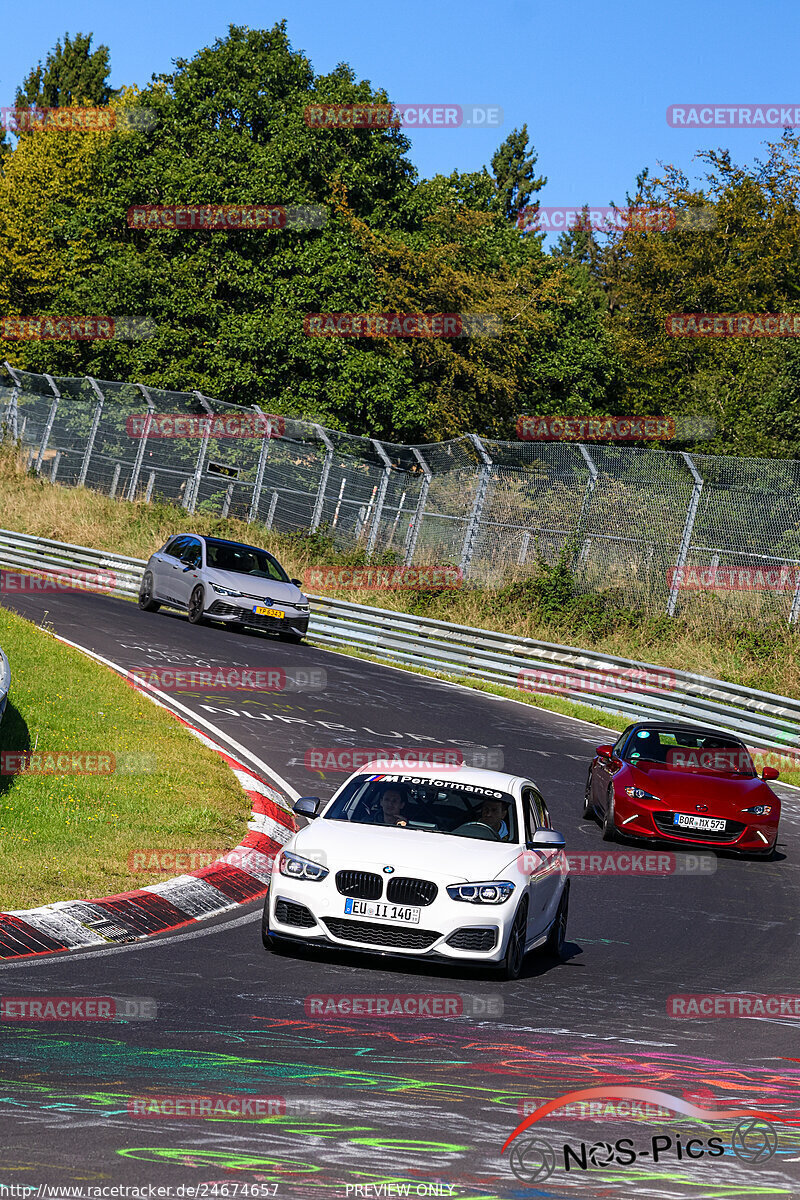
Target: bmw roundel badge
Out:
[388,870]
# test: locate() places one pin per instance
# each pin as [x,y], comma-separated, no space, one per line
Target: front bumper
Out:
[745,834]
[231,612]
[314,913]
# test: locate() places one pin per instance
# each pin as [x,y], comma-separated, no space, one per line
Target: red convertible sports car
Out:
[681,783]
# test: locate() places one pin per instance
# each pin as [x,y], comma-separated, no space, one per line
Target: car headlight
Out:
[223,591]
[760,810]
[296,867]
[641,794]
[493,892]
[303,608]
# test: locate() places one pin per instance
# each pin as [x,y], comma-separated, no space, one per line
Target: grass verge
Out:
[71,836]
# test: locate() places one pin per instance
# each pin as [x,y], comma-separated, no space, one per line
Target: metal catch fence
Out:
[650,526]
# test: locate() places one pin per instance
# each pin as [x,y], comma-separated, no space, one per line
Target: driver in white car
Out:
[492,814]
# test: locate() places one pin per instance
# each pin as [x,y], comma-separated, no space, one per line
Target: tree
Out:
[73,74]
[513,163]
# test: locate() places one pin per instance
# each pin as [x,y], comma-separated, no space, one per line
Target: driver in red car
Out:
[492,814]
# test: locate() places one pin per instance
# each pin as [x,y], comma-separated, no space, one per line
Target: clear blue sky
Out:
[592,80]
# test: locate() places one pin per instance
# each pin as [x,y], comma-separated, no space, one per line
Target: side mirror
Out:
[770,773]
[306,806]
[297,582]
[188,567]
[605,751]
[546,839]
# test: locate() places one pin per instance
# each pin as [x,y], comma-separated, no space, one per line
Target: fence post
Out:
[140,452]
[473,525]
[378,513]
[48,429]
[115,480]
[12,412]
[794,612]
[98,412]
[591,483]
[193,483]
[259,483]
[686,539]
[323,479]
[416,522]
[226,503]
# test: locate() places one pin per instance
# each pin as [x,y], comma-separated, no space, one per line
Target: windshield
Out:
[681,749]
[429,805]
[244,560]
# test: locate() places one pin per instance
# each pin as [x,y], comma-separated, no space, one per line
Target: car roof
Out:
[682,727]
[498,781]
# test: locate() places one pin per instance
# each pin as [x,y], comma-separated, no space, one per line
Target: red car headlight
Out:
[760,810]
[641,794]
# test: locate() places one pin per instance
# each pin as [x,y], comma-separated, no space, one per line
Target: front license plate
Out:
[260,611]
[708,824]
[381,911]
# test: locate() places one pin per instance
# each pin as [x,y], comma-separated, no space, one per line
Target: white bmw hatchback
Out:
[458,865]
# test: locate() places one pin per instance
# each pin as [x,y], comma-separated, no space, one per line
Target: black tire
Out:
[276,946]
[588,806]
[554,946]
[146,601]
[609,828]
[196,605]
[515,951]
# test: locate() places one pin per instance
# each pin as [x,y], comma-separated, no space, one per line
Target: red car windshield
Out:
[681,750]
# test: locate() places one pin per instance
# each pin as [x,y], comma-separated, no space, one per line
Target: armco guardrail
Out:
[760,718]
[5,682]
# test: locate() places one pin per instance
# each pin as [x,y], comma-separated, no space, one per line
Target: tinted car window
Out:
[244,560]
[427,805]
[191,553]
[175,546]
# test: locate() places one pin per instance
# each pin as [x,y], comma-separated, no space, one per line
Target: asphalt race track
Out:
[424,1102]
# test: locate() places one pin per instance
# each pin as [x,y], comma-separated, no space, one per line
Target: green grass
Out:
[70,836]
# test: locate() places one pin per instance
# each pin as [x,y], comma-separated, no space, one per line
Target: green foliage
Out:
[515,183]
[72,74]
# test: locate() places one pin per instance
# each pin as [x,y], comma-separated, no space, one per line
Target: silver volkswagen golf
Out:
[214,579]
